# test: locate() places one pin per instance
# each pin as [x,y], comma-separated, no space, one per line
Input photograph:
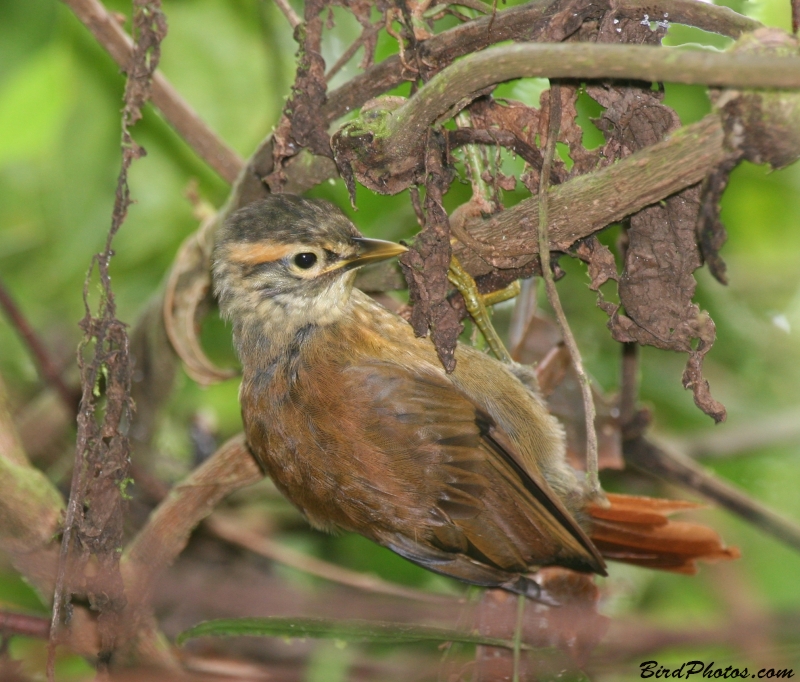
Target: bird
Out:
[358,424]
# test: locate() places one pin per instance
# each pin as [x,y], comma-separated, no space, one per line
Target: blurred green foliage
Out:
[233,60]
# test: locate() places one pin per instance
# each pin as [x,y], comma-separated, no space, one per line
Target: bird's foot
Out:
[477,305]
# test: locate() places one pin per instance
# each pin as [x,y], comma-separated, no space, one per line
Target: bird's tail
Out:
[637,530]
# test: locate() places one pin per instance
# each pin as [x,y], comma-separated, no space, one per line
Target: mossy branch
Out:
[587,203]
[387,142]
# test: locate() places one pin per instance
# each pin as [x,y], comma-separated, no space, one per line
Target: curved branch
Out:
[525,23]
[168,529]
[584,61]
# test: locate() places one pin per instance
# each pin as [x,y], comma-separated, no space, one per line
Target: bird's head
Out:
[289,261]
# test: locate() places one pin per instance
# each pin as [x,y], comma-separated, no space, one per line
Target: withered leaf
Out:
[602,266]
[711,233]
[425,267]
[657,283]
[302,123]
[188,288]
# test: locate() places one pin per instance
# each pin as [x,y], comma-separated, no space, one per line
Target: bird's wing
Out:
[448,475]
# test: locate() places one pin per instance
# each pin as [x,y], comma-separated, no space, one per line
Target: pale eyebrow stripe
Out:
[253,254]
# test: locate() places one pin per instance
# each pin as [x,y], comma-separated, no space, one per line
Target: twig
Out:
[47,368]
[481,196]
[24,624]
[291,16]
[502,138]
[555,301]
[235,534]
[347,55]
[659,461]
[629,386]
[187,123]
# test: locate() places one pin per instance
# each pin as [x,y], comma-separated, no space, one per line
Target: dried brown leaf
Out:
[711,233]
[693,374]
[425,267]
[187,292]
[302,123]
[602,266]
[657,283]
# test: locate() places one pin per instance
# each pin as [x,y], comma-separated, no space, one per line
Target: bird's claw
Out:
[477,304]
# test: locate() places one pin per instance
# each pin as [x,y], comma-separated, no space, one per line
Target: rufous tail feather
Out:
[637,530]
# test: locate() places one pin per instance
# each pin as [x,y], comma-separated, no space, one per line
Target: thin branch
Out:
[629,385]
[291,16]
[235,534]
[24,624]
[481,195]
[502,138]
[186,122]
[555,302]
[659,461]
[44,363]
[347,55]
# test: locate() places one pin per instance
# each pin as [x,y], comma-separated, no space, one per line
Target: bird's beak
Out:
[372,251]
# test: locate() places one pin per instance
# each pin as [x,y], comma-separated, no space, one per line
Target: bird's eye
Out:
[305,260]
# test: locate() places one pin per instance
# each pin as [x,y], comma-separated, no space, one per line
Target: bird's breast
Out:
[305,422]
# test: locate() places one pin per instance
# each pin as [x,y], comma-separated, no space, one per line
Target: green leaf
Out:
[376,632]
